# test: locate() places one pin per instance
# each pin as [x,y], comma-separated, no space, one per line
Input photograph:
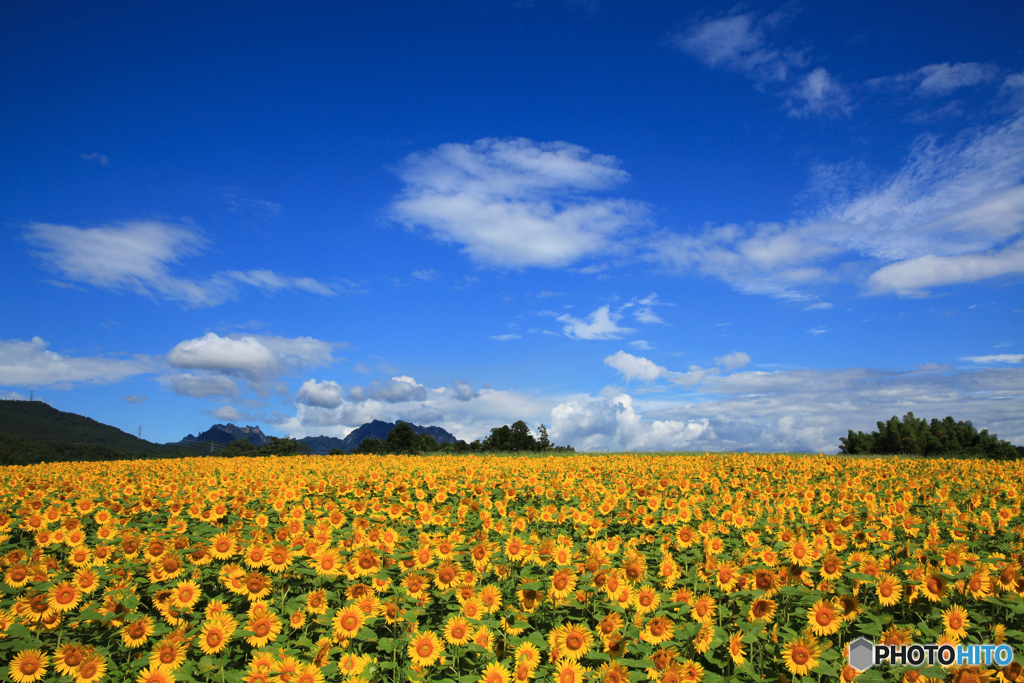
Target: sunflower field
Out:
[495,569]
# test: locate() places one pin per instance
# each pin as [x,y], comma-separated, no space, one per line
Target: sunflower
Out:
[956,622]
[799,552]
[68,657]
[574,641]
[495,672]
[704,608]
[736,651]
[527,653]
[800,655]
[448,576]
[347,622]
[569,671]
[16,576]
[352,664]
[646,599]
[934,587]
[979,585]
[766,580]
[490,596]
[424,649]
[889,589]
[168,654]
[154,675]
[257,586]
[137,633]
[457,630]
[702,643]
[215,634]
[563,582]
[824,617]
[279,558]
[657,630]
[613,672]
[93,668]
[971,674]
[726,577]
[63,597]
[223,546]
[326,562]
[529,599]
[831,567]
[185,595]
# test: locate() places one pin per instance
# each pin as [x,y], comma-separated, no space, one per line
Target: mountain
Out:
[227,433]
[318,445]
[38,421]
[380,430]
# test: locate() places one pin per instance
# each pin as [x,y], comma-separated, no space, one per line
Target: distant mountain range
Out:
[319,445]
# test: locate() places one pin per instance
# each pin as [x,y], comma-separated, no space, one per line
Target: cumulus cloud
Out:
[517,203]
[30,363]
[326,394]
[258,358]
[732,361]
[600,324]
[463,391]
[400,389]
[228,414]
[138,256]
[635,367]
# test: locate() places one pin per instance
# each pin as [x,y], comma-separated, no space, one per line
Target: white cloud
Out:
[938,79]
[635,367]
[820,306]
[953,213]
[817,330]
[463,391]
[426,275]
[1015,358]
[187,384]
[12,396]
[228,414]
[517,203]
[101,159]
[138,256]
[641,345]
[601,324]
[818,93]
[732,361]
[737,42]
[326,394]
[505,337]
[258,358]
[913,276]
[400,389]
[135,399]
[29,363]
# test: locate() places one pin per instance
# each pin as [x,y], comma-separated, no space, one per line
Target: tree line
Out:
[914,436]
[518,438]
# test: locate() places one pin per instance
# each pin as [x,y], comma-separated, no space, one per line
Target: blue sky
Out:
[648,226]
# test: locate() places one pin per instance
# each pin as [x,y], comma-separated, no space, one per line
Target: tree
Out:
[402,439]
[913,436]
[543,441]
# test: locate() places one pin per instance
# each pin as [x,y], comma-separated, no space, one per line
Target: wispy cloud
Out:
[938,79]
[600,324]
[516,203]
[739,42]
[953,213]
[100,159]
[140,256]
[506,337]
[1011,358]
[426,275]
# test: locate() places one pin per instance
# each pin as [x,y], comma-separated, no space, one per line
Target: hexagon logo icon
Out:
[862,654]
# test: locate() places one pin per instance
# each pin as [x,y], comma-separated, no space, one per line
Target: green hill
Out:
[38,421]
